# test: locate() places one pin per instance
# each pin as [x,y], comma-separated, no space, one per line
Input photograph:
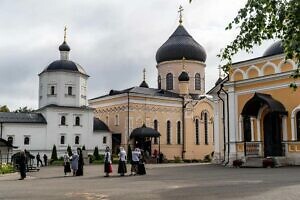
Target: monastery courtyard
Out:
[166,181]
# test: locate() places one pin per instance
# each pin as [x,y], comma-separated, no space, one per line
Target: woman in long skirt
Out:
[122,162]
[67,167]
[80,163]
[74,163]
[107,162]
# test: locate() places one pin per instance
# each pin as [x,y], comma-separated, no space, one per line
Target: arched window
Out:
[159,82]
[169,81]
[247,128]
[298,125]
[178,133]
[62,139]
[77,121]
[63,120]
[52,92]
[77,139]
[10,140]
[205,128]
[26,140]
[197,82]
[168,132]
[70,90]
[104,140]
[117,120]
[155,124]
[197,131]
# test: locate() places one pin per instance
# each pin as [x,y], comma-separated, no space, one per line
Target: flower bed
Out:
[6,168]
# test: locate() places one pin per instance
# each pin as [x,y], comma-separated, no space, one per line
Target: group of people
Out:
[39,161]
[137,163]
[74,162]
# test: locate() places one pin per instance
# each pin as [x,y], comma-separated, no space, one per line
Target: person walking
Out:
[122,162]
[79,172]
[74,163]
[45,159]
[107,162]
[67,168]
[135,161]
[38,160]
[22,165]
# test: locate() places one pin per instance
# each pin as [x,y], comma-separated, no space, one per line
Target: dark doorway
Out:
[116,142]
[247,128]
[272,135]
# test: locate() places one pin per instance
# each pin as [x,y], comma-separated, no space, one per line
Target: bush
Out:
[6,168]
[237,163]
[54,153]
[177,159]
[56,162]
[195,161]
[187,160]
[96,153]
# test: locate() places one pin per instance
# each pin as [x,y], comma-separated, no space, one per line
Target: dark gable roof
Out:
[71,107]
[143,132]
[100,125]
[11,117]
[180,44]
[142,91]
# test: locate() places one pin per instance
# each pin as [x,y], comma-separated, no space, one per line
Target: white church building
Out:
[63,117]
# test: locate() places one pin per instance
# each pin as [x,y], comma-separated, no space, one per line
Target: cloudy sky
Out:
[112,39]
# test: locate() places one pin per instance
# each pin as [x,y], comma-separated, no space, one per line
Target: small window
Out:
[155,123]
[77,139]
[197,82]
[205,128]
[159,82]
[117,120]
[178,133]
[104,140]
[77,121]
[197,131]
[63,120]
[52,92]
[62,139]
[26,140]
[168,132]
[70,92]
[169,81]
[10,140]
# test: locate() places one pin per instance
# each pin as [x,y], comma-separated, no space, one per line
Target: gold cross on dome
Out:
[144,73]
[180,13]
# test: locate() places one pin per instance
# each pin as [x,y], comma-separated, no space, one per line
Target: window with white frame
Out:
[10,139]
[104,140]
[77,139]
[169,81]
[62,139]
[168,132]
[197,81]
[77,121]
[26,140]
[63,120]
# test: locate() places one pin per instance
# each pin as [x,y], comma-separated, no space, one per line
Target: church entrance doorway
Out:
[272,134]
[116,142]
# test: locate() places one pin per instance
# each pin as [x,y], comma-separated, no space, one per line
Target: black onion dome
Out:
[64,47]
[65,65]
[180,44]
[144,84]
[143,132]
[274,49]
[184,76]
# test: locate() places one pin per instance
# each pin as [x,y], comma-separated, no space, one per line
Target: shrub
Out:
[187,160]
[96,153]
[237,163]
[177,159]
[195,161]
[6,168]
[54,153]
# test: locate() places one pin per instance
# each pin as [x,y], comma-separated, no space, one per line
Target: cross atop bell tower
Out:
[180,14]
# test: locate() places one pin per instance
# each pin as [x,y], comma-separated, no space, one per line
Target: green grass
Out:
[6,168]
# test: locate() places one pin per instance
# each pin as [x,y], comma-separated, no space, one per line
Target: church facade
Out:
[63,117]
[178,108]
[261,112]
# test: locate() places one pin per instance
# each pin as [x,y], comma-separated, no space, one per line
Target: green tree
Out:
[262,20]
[54,153]
[4,108]
[24,110]
[69,150]
[96,153]
[129,154]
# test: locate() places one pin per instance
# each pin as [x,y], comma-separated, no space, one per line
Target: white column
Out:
[284,128]
[252,128]
[293,127]
[240,128]
[232,122]
[217,131]
[258,130]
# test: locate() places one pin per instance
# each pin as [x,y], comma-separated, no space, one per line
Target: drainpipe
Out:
[223,121]
[228,138]
[183,130]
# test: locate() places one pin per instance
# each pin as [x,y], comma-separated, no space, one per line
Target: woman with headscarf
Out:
[122,162]
[67,168]
[107,162]
[79,172]
[74,163]
[22,165]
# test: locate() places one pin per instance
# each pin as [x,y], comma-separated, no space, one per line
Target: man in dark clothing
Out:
[79,172]
[22,165]
[38,160]
[45,159]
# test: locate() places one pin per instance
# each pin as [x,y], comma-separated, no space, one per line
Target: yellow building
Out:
[261,112]
[178,108]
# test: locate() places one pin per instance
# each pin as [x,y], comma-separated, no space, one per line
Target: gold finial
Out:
[180,14]
[65,33]
[183,63]
[144,74]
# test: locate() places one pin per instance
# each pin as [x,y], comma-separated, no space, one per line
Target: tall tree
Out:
[4,109]
[262,20]
[54,153]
